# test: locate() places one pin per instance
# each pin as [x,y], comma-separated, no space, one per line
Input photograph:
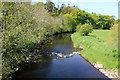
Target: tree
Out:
[18,24]
[94,20]
[81,17]
[85,29]
[67,10]
[97,21]
[39,3]
[49,6]
[70,22]
[62,7]
[104,21]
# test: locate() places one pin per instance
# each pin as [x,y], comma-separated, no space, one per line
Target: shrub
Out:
[85,29]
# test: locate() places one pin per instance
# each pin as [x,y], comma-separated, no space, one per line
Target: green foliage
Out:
[67,10]
[105,22]
[70,22]
[47,24]
[76,13]
[97,21]
[24,25]
[81,17]
[102,21]
[85,29]
[18,36]
[39,3]
[78,26]
[11,64]
[96,49]
[18,26]
[62,7]
[50,7]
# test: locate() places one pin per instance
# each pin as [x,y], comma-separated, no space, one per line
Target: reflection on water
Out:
[72,67]
[59,44]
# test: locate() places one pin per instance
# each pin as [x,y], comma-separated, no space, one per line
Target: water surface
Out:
[72,67]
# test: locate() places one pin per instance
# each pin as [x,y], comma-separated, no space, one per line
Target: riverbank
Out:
[22,59]
[109,73]
[97,49]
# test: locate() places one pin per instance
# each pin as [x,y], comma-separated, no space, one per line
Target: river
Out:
[71,67]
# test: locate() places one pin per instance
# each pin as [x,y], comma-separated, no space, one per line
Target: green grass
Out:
[97,48]
[0,66]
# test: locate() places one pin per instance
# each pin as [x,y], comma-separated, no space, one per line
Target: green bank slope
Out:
[97,48]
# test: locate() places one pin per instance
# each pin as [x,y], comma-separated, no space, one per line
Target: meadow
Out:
[97,48]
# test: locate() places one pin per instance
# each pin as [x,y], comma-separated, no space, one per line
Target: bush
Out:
[85,29]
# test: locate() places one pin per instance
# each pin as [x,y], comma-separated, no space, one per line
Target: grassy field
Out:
[97,48]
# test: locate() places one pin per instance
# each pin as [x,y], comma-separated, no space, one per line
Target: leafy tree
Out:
[97,21]
[39,3]
[49,6]
[104,21]
[94,21]
[67,10]
[18,35]
[70,22]
[48,24]
[85,29]
[81,17]
[61,8]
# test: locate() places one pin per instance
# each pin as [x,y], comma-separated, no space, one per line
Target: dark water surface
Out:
[72,67]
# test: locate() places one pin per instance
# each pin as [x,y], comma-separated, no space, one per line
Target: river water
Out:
[71,67]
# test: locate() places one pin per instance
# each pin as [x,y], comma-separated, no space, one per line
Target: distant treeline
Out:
[79,16]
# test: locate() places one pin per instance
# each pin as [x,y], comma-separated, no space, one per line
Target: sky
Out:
[104,7]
